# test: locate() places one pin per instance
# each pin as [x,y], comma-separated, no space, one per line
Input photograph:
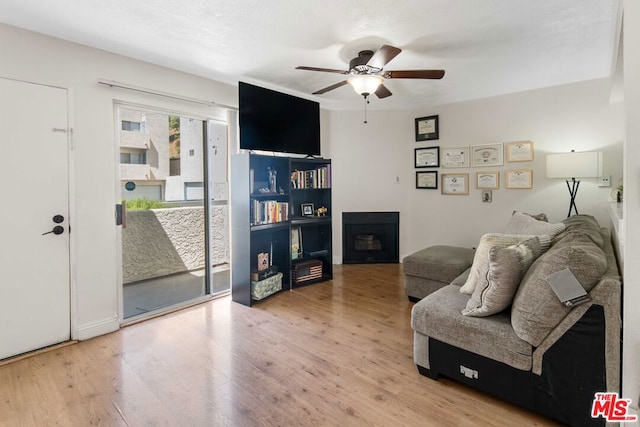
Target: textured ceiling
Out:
[487,47]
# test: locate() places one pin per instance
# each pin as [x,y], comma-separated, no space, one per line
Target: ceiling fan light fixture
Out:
[365,85]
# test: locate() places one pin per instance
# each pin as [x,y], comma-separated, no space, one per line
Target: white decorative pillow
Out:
[521,223]
[507,266]
[480,266]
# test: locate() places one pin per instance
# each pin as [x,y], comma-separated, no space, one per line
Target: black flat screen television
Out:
[275,121]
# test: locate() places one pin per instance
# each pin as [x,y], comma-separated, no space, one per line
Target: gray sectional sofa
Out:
[517,341]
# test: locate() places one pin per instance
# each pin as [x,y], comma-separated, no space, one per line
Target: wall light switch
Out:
[604,181]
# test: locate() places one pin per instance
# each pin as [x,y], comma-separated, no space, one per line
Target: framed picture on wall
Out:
[521,178]
[428,157]
[487,155]
[521,151]
[427,180]
[457,157]
[427,128]
[489,180]
[455,184]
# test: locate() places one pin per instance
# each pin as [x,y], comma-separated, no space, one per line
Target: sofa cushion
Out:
[438,316]
[461,279]
[521,223]
[480,266]
[440,263]
[507,266]
[536,309]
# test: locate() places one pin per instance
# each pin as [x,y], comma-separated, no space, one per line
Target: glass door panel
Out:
[164,256]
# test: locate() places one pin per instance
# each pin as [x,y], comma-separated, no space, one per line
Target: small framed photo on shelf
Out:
[427,128]
[521,151]
[263,261]
[455,184]
[427,180]
[427,157]
[457,157]
[307,209]
[488,180]
[487,155]
[518,179]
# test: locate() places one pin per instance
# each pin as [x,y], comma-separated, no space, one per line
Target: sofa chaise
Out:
[523,344]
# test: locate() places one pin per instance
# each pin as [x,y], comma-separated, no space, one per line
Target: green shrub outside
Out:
[143,204]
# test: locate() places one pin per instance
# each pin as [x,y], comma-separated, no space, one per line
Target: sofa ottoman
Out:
[432,268]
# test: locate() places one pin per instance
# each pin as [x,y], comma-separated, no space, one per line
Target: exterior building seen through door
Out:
[175,240]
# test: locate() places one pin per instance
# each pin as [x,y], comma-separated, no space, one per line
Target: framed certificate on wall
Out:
[455,184]
[428,157]
[489,180]
[427,180]
[427,128]
[521,151]
[457,157]
[521,178]
[487,155]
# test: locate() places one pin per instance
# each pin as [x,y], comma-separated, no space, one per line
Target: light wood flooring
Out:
[337,353]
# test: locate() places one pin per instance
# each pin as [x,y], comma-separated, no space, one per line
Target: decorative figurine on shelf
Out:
[322,211]
[272,180]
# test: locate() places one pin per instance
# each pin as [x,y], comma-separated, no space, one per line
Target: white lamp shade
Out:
[365,84]
[574,165]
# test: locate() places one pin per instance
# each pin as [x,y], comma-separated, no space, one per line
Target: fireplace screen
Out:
[370,237]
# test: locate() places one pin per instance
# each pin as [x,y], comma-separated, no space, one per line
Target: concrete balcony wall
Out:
[137,140]
[132,172]
[161,242]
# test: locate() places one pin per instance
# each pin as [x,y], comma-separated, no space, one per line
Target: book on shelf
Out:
[268,212]
[312,178]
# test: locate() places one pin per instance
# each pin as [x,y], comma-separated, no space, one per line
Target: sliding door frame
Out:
[207,165]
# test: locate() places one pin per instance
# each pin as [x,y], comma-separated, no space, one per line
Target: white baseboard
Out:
[94,329]
[337,260]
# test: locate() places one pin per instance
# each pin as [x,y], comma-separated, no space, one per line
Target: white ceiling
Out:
[487,47]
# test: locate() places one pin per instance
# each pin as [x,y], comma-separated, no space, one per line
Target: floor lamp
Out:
[571,166]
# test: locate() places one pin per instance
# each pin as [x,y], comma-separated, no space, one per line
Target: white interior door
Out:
[34,268]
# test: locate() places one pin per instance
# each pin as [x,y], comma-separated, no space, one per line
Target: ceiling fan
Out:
[367,75]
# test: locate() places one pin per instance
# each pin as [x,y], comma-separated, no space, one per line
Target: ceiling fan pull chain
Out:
[366,101]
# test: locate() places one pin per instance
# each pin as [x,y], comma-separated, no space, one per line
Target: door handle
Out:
[58,229]
[57,219]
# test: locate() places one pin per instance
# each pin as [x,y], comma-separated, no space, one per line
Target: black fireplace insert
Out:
[370,237]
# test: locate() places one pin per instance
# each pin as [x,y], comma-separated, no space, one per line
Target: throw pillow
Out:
[521,223]
[540,217]
[480,265]
[536,309]
[506,268]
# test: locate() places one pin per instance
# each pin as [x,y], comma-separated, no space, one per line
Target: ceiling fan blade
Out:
[383,55]
[414,74]
[325,70]
[328,88]
[383,92]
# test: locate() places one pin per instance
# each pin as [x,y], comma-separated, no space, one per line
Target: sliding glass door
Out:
[175,244]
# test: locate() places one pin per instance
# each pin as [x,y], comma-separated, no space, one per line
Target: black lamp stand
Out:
[573,185]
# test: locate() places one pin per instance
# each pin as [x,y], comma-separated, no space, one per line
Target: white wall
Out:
[32,57]
[631,335]
[368,158]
